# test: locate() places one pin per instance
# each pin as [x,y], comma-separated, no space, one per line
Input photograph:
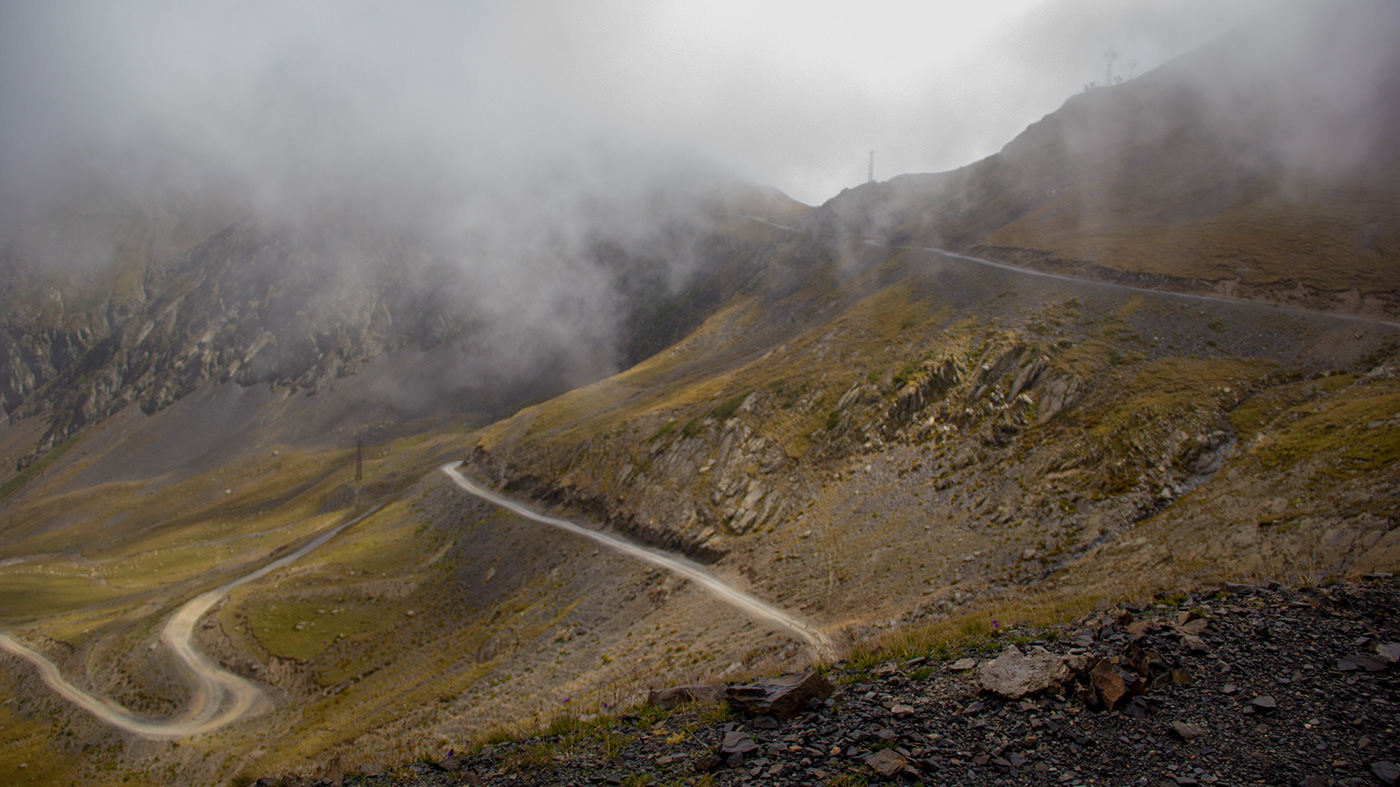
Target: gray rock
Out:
[1264,704]
[1014,674]
[1187,731]
[737,743]
[1388,772]
[963,665]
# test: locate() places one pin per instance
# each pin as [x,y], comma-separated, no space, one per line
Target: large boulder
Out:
[781,698]
[1014,674]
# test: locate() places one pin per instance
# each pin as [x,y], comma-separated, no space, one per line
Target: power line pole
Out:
[871,177]
[359,458]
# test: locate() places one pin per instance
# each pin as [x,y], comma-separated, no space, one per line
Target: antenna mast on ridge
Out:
[871,177]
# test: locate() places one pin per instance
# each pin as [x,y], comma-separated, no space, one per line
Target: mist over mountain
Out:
[1262,161]
[375,393]
[312,195]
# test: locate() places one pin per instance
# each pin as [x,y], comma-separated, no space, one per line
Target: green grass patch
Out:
[529,759]
[29,740]
[1356,433]
[726,409]
[28,591]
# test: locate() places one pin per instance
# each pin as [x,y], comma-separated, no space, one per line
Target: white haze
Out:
[506,138]
[794,94]
[386,124]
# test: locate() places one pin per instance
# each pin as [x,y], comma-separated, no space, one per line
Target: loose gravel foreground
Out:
[1249,685]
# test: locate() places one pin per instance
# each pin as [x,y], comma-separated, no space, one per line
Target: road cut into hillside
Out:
[820,643]
[220,698]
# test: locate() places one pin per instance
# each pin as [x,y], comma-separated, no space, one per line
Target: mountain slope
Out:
[1262,165]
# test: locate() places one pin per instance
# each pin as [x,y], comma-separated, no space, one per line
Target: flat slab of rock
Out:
[1187,731]
[1014,674]
[963,665]
[886,763]
[737,743]
[781,698]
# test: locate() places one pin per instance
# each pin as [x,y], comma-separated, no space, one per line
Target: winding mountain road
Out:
[221,697]
[754,607]
[1100,283]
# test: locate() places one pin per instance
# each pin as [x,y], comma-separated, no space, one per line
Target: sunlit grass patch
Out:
[30,590]
[974,630]
[1358,430]
[28,754]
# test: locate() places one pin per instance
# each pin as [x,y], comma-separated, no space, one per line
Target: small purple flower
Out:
[566,700]
[995,624]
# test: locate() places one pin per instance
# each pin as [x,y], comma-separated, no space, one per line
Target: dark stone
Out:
[1264,704]
[738,743]
[1368,663]
[782,698]
[1136,708]
[1388,772]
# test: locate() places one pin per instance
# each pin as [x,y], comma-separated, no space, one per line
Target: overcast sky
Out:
[792,94]
[797,93]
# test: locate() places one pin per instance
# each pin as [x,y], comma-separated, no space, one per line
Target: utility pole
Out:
[871,177]
[359,458]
